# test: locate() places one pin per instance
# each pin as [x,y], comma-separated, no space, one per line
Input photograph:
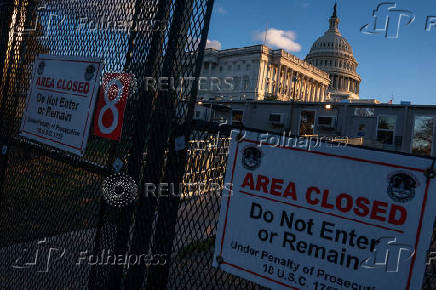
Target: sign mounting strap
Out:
[430,173]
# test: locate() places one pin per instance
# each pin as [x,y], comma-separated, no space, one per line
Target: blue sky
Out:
[404,67]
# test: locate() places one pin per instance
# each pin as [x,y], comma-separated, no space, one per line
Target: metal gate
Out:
[54,226]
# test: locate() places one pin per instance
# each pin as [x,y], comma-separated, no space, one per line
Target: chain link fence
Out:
[198,213]
[55,229]
[51,207]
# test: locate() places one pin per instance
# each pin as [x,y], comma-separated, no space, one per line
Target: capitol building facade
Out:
[333,54]
[260,73]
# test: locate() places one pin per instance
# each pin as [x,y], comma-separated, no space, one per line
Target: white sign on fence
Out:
[325,218]
[61,100]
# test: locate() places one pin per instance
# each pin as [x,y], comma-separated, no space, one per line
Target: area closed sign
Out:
[61,101]
[325,218]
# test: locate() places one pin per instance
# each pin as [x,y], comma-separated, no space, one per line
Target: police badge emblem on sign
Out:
[401,186]
[251,158]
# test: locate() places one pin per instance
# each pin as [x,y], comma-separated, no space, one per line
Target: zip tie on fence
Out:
[240,135]
[430,173]
[4,149]
[220,261]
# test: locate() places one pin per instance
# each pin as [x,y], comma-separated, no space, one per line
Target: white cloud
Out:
[213,44]
[221,10]
[277,38]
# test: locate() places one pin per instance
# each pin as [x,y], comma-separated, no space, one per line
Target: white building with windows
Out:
[405,128]
[260,73]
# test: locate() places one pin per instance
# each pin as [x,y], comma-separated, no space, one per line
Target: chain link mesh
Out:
[197,217]
[51,203]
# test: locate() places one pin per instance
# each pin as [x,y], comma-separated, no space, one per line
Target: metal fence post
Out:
[163,130]
[165,231]
[155,155]
[7,8]
[135,162]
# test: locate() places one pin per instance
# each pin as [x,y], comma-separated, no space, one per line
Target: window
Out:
[364,112]
[307,122]
[277,118]
[326,121]
[236,83]
[237,116]
[362,130]
[246,83]
[422,140]
[274,117]
[386,129]
[197,114]
[326,125]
